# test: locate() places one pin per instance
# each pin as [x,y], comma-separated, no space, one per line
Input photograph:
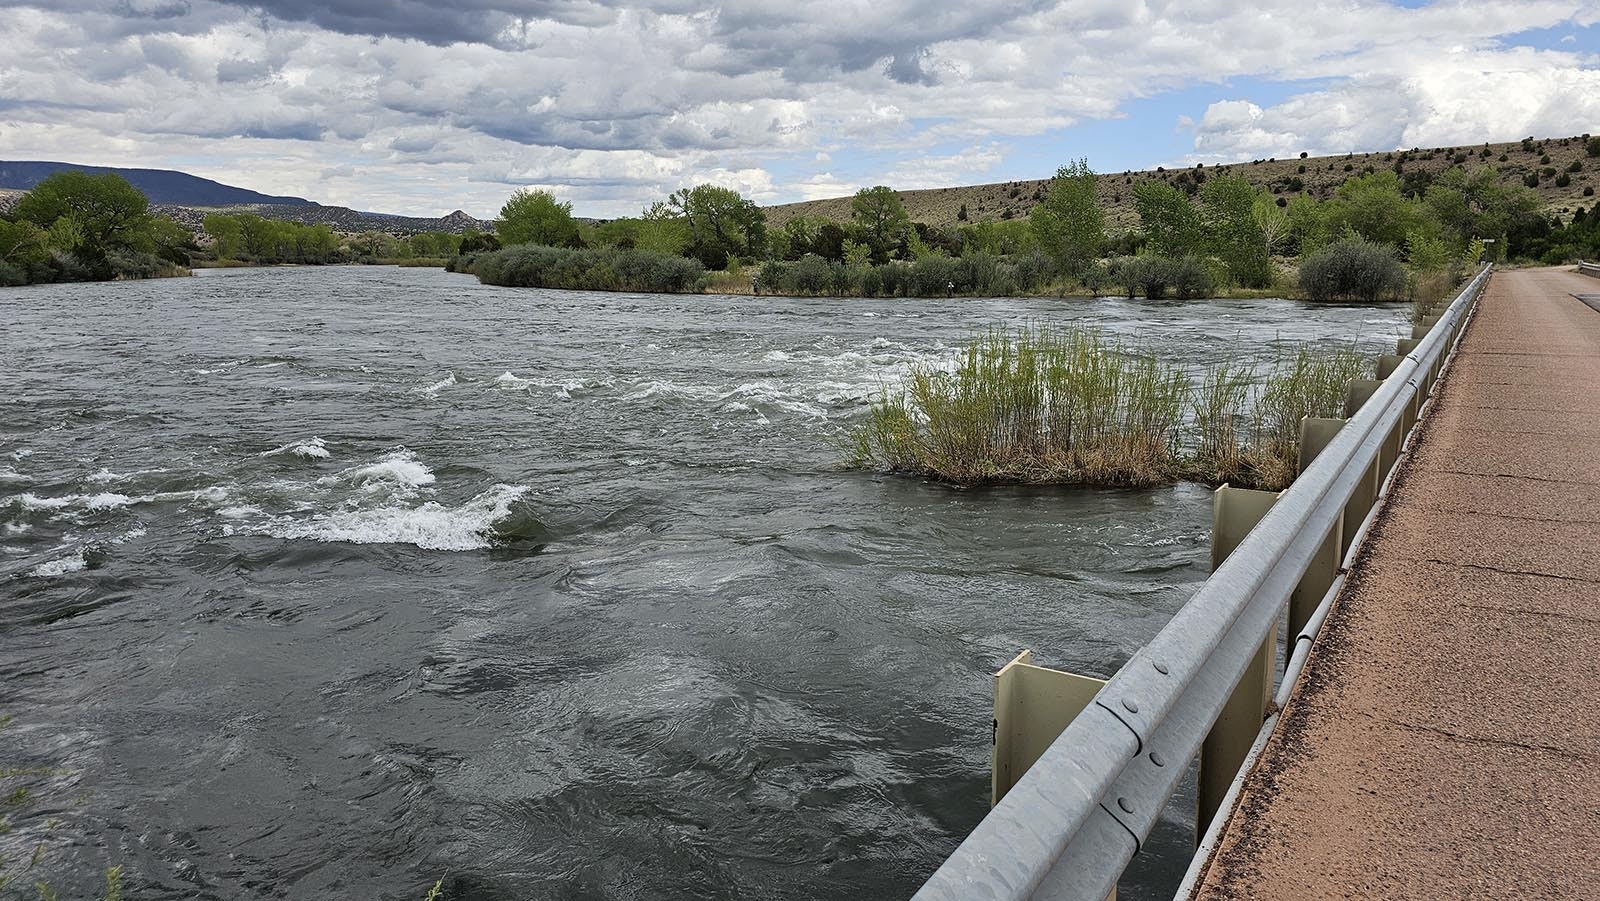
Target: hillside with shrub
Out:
[1539,163]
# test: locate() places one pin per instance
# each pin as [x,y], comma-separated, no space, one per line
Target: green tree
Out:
[536,217]
[662,230]
[1228,212]
[110,214]
[64,235]
[1468,205]
[795,238]
[22,251]
[1426,252]
[1273,220]
[19,240]
[998,237]
[227,235]
[720,224]
[1373,207]
[167,240]
[880,220]
[1068,225]
[1308,227]
[1170,223]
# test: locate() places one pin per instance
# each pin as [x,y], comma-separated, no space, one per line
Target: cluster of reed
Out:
[1247,429]
[1074,406]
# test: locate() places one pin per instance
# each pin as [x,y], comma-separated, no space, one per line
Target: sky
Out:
[425,106]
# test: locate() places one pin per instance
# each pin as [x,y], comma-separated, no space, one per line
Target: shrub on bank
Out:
[933,276]
[1353,270]
[1151,276]
[583,269]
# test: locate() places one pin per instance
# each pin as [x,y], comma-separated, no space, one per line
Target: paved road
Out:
[1446,740]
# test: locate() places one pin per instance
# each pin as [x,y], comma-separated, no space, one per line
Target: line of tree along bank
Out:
[1380,236]
[248,238]
[74,227]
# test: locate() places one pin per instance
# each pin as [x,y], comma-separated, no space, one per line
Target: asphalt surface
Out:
[1445,741]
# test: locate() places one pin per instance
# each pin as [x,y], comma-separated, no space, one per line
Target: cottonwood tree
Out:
[536,217]
[720,223]
[880,220]
[1374,207]
[1228,212]
[1170,223]
[1068,224]
[1273,220]
[107,213]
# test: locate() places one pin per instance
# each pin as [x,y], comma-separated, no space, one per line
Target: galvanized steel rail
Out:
[1069,827]
[1589,268]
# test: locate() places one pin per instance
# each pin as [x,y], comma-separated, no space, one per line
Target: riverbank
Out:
[617,269]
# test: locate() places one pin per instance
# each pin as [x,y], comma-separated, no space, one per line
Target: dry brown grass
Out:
[1322,176]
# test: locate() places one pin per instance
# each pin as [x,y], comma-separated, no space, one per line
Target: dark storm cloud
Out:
[430,21]
[156,11]
[811,42]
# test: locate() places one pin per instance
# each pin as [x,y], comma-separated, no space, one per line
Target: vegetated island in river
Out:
[1072,406]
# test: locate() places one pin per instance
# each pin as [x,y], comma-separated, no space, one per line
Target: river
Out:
[323,583]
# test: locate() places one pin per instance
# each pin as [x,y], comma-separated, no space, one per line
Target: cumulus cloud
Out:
[421,106]
[1462,98]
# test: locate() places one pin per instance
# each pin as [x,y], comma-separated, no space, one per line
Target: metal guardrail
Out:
[1069,826]
[1589,268]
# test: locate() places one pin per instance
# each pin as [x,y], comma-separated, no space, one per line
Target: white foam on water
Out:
[129,535]
[399,468]
[17,528]
[21,453]
[239,512]
[61,567]
[7,474]
[509,382]
[111,500]
[431,526]
[33,502]
[313,448]
[105,475]
[225,367]
[440,385]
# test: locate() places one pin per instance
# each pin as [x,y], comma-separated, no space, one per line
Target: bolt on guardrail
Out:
[1069,825]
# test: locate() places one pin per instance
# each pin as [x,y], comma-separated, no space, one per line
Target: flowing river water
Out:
[330,583]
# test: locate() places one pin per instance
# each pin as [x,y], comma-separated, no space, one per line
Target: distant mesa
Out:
[187,198]
[162,186]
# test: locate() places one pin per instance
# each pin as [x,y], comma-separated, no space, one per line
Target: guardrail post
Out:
[1405,346]
[1234,512]
[1387,364]
[1032,705]
[1315,433]
[1360,391]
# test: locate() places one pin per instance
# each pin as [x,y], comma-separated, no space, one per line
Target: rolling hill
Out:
[1318,176]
